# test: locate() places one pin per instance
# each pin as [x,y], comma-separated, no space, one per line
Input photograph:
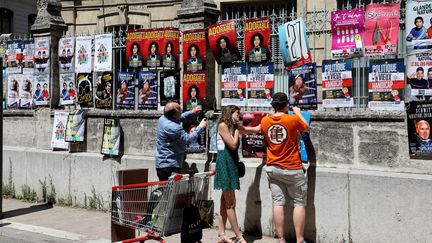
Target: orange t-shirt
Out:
[281,135]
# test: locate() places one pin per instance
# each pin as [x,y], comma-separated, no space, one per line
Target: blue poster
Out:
[126,90]
[303,87]
[147,91]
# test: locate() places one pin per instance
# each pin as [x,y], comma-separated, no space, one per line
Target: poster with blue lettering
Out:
[303,87]
[126,90]
[233,86]
[294,45]
[337,84]
[418,24]
[386,85]
[148,91]
[419,121]
[260,85]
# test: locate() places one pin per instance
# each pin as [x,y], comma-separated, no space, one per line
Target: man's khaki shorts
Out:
[287,186]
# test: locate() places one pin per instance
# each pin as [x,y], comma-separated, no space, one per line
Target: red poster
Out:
[153,47]
[257,40]
[171,45]
[253,144]
[194,50]
[134,48]
[194,89]
[223,42]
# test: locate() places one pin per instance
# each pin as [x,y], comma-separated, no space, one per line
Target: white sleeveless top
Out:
[219,141]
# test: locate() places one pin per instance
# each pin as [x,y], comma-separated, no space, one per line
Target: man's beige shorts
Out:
[287,186]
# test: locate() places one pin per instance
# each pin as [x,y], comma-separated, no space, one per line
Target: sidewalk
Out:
[78,224]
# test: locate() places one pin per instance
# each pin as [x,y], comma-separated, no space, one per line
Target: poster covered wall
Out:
[153,46]
[83,57]
[233,86]
[194,50]
[104,91]
[134,48]
[419,116]
[260,85]
[171,46]
[59,130]
[294,45]
[75,126]
[381,29]
[253,145]
[418,24]
[28,57]
[337,84]
[42,56]
[85,89]
[41,94]
[148,91]
[103,53]
[169,86]
[347,33]
[222,38]
[66,54]
[194,90]
[126,90]
[303,87]
[13,57]
[111,137]
[257,40]
[67,86]
[386,85]
[419,74]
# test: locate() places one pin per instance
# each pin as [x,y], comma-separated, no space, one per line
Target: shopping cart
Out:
[156,208]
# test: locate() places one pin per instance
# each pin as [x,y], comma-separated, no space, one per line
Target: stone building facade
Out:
[17,16]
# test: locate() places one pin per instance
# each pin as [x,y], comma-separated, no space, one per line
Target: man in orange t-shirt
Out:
[287,180]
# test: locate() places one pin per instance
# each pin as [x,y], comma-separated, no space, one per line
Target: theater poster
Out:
[14,57]
[42,56]
[194,90]
[257,40]
[26,91]
[104,90]
[233,86]
[222,38]
[153,47]
[294,45]
[41,94]
[253,145]
[103,53]
[59,131]
[125,90]
[13,91]
[66,54]
[303,87]
[347,33]
[418,24]
[111,136]
[75,126]
[194,50]
[381,29]
[169,86]
[260,83]
[134,48]
[68,93]
[213,132]
[148,91]
[85,89]
[28,57]
[419,116]
[337,84]
[386,85]
[171,46]
[83,54]
[419,74]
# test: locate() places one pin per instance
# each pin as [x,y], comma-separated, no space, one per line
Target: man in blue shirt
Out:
[172,139]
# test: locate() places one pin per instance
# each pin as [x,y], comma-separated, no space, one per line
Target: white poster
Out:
[418,25]
[13,90]
[26,91]
[103,53]
[59,130]
[66,54]
[68,92]
[83,57]
[41,93]
[42,56]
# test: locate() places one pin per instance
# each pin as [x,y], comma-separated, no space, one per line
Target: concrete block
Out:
[378,147]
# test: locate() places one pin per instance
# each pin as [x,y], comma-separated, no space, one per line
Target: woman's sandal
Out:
[224,239]
[240,240]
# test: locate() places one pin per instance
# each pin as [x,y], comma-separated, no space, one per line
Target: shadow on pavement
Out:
[4,224]
[22,211]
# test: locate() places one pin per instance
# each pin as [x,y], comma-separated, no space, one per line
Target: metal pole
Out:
[1,140]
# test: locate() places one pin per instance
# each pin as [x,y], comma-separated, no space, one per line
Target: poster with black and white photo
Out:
[14,57]
[104,91]
[66,54]
[75,126]
[59,131]
[13,100]
[169,89]
[28,57]
[111,137]
[68,92]
[26,91]
[85,90]
[83,57]
[41,94]
[103,53]
[42,56]
[419,122]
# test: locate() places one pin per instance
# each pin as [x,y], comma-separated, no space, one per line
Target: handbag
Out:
[191,230]
[241,168]
[206,211]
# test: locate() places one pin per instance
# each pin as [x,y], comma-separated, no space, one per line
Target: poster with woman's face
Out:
[41,94]
[83,54]
[85,90]
[134,48]
[125,98]
[28,57]
[104,90]
[418,24]
[257,40]
[222,37]
[148,91]
[194,90]
[66,55]
[153,46]
[42,56]
[303,87]
[68,93]
[26,92]
[171,47]
[13,91]
[194,50]
[169,88]
[103,53]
